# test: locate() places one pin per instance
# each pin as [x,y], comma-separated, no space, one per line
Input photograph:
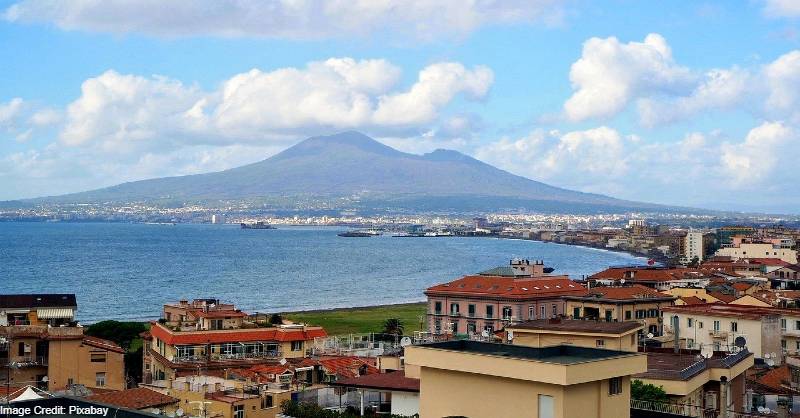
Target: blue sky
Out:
[684,102]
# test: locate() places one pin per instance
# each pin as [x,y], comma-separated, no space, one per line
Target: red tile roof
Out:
[347,366]
[382,381]
[741,286]
[104,344]
[776,378]
[635,291]
[768,261]
[692,300]
[723,297]
[508,287]
[138,398]
[237,335]
[646,274]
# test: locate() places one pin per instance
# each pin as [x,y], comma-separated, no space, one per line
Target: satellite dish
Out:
[510,335]
[485,334]
[766,356]
[621,281]
[405,342]
[282,362]
[770,362]
[649,335]
[707,351]
[740,341]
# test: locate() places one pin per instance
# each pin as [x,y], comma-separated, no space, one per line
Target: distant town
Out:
[710,330]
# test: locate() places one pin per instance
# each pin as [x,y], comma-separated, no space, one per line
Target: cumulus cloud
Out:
[10,112]
[610,74]
[699,169]
[303,19]
[125,113]
[782,8]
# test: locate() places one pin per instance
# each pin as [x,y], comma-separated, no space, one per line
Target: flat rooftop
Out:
[560,354]
[667,365]
[575,325]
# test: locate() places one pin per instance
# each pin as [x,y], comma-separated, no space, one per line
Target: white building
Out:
[759,250]
[693,246]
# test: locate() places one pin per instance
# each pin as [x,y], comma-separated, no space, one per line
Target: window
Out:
[507,312]
[267,402]
[70,382]
[716,325]
[238,411]
[297,346]
[653,313]
[21,349]
[454,309]
[783,324]
[576,312]
[471,310]
[100,379]
[489,311]
[600,343]
[689,322]
[797,345]
[734,327]
[555,311]
[628,315]
[454,327]
[489,328]
[437,326]
[531,312]
[97,357]
[690,343]
[615,386]
[783,344]
[640,313]
[546,409]
[216,324]
[471,327]
[700,324]
[542,311]
[437,308]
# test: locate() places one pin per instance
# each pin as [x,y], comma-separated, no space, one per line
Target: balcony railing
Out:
[674,409]
[718,333]
[226,357]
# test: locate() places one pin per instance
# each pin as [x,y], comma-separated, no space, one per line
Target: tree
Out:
[647,392]
[393,326]
[275,319]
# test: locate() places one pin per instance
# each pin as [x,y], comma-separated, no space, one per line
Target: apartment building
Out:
[659,278]
[215,336]
[758,250]
[486,301]
[620,336]
[770,333]
[487,380]
[37,309]
[55,358]
[698,386]
[621,303]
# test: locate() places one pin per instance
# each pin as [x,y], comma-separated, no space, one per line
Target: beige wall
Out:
[70,359]
[618,311]
[759,251]
[252,406]
[749,301]
[627,342]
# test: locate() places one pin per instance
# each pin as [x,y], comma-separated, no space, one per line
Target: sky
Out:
[692,103]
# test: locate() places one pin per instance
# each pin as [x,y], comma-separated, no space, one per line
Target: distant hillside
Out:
[351,163]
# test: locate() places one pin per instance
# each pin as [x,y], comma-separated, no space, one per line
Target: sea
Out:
[128,271]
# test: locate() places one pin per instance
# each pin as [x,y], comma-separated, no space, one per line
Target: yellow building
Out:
[55,358]
[621,303]
[758,250]
[621,336]
[216,397]
[477,379]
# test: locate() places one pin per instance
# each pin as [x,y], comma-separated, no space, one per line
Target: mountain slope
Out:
[346,164]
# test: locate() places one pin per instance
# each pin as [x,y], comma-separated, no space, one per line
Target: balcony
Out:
[225,357]
[455,314]
[718,334]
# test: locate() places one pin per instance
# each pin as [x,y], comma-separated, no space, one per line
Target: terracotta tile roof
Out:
[382,381]
[692,300]
[768,261]
[741,286]
[722,297]
[509,287]
[238,335]
[569,325]
[347,366]
[734,311]
[647,274]
[138,398]
[775,378]
[104,344]
[631,292]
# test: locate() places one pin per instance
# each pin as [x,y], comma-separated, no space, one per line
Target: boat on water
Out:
[257,225]
[356,234]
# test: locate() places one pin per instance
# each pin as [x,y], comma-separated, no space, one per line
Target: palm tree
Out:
[393,326]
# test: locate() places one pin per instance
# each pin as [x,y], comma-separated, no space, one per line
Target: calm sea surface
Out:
[127,271]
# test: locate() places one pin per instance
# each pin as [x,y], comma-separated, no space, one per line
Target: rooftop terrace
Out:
[560,354]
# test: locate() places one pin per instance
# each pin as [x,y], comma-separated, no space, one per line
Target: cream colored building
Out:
[487,380]
[622,336]
[758,250]
[766,330]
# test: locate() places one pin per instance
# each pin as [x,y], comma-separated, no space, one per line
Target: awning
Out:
[55,313]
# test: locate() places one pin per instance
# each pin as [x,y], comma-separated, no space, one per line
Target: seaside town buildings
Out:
[41,346]
[621,303]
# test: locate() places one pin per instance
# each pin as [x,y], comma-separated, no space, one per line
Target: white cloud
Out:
[10,112]
[293,19]
[610,74]
[699,169]
[130,113]
[782,8]
[783,82]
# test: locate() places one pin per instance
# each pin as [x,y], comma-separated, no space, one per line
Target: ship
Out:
[356,234]
[257,225]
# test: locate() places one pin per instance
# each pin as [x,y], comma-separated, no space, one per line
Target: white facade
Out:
[405,403]
[693,246]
